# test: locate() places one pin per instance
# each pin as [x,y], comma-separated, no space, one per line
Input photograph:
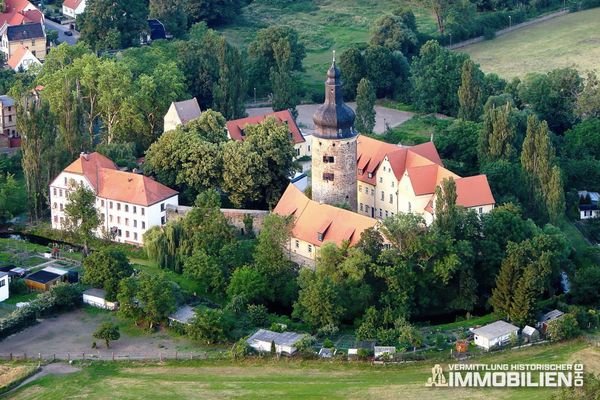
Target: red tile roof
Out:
[110,183]
[474,191]
[72,4]
[15,13]
[16,57]
[236,126]
[311,219]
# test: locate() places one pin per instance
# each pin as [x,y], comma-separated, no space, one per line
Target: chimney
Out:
[84,155]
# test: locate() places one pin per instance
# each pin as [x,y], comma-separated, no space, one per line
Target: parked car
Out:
[68,33]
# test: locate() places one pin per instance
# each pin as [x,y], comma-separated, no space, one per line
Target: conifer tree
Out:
[365,106]
[229,90]
[522,310]
[285,90]
[555,195]
[508,277]
[469,92]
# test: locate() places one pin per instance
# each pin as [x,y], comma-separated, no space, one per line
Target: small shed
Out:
[42,280]
[325,353]
[383,351]
[97,298]
[285,342]
[183,315]
[495,334]
[530,334]
[547,318]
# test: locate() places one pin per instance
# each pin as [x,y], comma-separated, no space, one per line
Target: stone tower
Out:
[334,146]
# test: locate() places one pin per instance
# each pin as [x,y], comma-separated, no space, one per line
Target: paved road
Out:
[384,116]
[51,25]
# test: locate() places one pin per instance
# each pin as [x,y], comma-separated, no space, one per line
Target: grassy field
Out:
[287,379]
[323,25]
[573,39]
[416,130]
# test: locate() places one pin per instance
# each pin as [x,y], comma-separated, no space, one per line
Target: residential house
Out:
[45,279]
[97,298]
[9,137]
[129,204]
[31,36]
[396,179]
[589,204]
[495,334]
[545,319]
[285,342]
[236,130]
[4,286]
[22,59]
[18,12]
[316,224]
[72,8]
[180,113]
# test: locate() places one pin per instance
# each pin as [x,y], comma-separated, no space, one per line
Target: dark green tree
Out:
[352,65]
[469,92]
[213,12]
[107,331]
[106,268]
[365,107]
[206,270]
[230,89]
[208,326]
[318,302]
[498,135]
[249,283]
[81,215]
[393,32]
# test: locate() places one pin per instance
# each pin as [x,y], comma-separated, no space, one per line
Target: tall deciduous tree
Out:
[393,32]
[106,268]
[498,135]
[352,64]
[469,92]
[588,102]
[318,301]
[213,12]
[365,107]
[81,216]
[230,89]
[113,24]
[172,13]
[37,126]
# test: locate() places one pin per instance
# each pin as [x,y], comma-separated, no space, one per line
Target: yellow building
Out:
[31,36]
[394,179]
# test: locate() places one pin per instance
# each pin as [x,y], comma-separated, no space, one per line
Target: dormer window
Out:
[242,132]
[320,236]
[360,171]
[370,175]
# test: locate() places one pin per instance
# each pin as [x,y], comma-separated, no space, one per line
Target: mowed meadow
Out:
[570,40]
[323,26]
[289,379]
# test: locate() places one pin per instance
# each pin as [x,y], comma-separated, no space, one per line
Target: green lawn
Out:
[323,26]
[573,39]
[416,130]
[285,379]
[33,261]
[21,298]
[467,323]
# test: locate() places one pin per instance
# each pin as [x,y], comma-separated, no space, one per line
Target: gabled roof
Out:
[99,293]
[17,57]
[551,315]
[110,183]
[371,153]
[25,32]
[424,179]
[187,110]
[17,12]
[42,277]
[72,4]
[313,220]
[236,127]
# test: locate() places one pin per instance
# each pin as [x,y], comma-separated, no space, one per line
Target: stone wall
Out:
[235,217]
[342,188]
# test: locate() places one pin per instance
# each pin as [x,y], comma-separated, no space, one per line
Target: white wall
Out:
[489,343]
[99,302]
[4,288]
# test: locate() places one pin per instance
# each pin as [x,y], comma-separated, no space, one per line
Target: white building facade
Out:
[3,286]
[129,204]
[72,8]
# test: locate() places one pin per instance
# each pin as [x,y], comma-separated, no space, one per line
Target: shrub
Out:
[565,327]
[328,343]
[489,33]
[258,315]
[328,330]
[18,286]
[240,350]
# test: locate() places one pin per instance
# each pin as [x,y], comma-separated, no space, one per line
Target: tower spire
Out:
[334,57]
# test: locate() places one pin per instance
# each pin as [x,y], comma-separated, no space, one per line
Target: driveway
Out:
[51,25]
[383,116]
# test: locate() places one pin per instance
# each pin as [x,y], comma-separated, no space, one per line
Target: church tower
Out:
[334,146]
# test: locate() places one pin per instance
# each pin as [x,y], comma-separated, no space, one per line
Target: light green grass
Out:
[21,298]
[468,323]
[573,39]
[189,285]
[33,261]
[323,26]
[284,379]
[416,130]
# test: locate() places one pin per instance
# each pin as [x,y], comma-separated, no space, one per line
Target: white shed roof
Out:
[529,330]
[183,314]
[495,330]
[280,339]
[57,271]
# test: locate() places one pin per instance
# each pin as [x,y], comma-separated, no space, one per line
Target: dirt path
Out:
[50,369]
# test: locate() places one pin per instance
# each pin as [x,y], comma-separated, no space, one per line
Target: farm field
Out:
[571,40]
[323,26]
[289,379]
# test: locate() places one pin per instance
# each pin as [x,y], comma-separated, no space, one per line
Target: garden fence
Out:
[103,356]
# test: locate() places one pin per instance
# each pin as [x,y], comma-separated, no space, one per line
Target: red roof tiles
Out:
[236,127]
